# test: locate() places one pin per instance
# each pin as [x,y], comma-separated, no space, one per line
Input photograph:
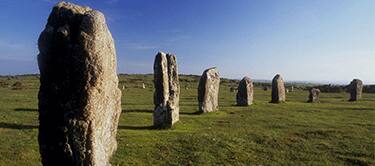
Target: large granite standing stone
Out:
[245,92]
[208,91]
[278,89]
[355,89]
[79,98]
[314,95]
[167,91]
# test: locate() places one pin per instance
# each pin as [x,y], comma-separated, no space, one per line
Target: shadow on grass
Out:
[361,109]
[188,105]
[354,161]
[277,102]
[151,111]
[137,127]
[349,109]
[16,126]
[244,106]
[190,113]
[26,110]
[138,110]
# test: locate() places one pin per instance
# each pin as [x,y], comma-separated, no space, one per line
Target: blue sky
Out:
[310,40]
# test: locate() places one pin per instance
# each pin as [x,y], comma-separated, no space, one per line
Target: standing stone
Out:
[167,91]
[79,98]
[208,91]
[278,89]
[143,86]
[245,92]
[355,90]
[232,89]
[314,95]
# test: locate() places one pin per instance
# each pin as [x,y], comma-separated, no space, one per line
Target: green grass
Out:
[333,132]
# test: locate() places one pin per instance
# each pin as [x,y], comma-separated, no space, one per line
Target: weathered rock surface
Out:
[245,92]
[167,91]
[208,91]
[355,89]
[278,89]
[314,95]
[79,98]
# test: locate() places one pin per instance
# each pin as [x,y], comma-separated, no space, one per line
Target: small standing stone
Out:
[278,89]
[167,91]
[143,86]
[79,98]
[245,92]
[17,86]
[208,90]
[355,90]
[232,89]
[314,95]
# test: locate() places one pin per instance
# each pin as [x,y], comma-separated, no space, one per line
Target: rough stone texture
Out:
[208,91]
[79,98]
[278,89]
[167,91]
[245,92]
[314,95]
[355,89]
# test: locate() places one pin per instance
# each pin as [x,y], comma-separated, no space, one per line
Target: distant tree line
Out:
[188,78]
[342,88]
[369,88]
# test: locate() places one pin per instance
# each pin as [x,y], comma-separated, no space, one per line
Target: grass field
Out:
[333,132]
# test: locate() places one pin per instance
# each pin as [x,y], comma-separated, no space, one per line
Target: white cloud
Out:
[178,38]
[17,58]
[10,45]
[50,1]
[138,46]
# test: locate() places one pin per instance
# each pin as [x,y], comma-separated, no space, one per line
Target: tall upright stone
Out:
[174,88]
[355,89]
[208,91]
[278,89]
[167,91]
[314,95]
[79,98]
[245,92]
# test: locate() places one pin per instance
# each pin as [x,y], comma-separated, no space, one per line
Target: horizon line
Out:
[254,79]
